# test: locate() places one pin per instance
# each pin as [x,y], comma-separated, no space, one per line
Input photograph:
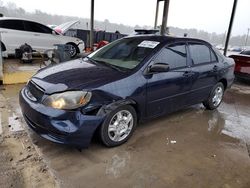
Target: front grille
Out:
[35,90]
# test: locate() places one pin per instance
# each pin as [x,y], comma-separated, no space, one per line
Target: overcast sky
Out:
[208,15]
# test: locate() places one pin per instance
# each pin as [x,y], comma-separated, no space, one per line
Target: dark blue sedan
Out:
[128,81]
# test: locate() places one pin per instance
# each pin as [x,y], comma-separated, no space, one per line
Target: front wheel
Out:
[72,50]
[215,97]
[118,126]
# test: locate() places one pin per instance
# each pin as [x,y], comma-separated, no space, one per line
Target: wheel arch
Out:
[104,110]
[3,47]
[224,82]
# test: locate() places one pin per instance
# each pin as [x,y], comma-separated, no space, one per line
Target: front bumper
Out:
[81,47]
[60,126]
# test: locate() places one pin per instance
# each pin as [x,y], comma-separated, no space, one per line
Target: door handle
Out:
[188,73]
[215,68]
[36,35]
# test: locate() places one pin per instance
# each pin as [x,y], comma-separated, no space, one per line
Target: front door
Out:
[168,91]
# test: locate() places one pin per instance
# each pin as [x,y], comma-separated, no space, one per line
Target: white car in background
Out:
[16,32]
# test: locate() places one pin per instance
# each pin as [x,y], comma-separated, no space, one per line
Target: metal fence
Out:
[98,35]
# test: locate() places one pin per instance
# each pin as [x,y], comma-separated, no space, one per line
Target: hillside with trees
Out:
[11,10]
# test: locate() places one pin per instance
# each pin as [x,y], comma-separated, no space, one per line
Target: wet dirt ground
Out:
[190,148]
[20,163]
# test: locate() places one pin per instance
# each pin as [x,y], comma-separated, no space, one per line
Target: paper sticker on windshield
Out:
[148,44]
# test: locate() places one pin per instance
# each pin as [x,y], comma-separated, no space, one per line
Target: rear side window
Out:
[200,53]
[12,24]
[213,57]
[218,54]
[175,55]
[36,27]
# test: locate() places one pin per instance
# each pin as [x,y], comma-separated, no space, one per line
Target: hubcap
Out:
[120,126]
[72,50]
[218,94]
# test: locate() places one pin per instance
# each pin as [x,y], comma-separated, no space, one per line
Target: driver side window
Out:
[175,55]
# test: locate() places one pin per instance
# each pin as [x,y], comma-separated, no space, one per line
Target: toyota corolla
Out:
[131,80]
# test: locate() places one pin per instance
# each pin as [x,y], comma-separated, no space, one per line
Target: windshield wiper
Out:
[106,64]
[121,69]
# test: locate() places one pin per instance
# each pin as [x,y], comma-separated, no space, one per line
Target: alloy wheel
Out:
[218,94]
[120,126]
[72,50]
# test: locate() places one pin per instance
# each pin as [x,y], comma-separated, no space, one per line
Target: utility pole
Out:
[1,60]
[165,17]
[247,36]
[230,26]
[91,36]
[156,14]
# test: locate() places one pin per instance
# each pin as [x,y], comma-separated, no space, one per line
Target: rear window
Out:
[12,24]
[246,52]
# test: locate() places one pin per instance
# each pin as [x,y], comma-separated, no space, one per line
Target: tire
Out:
[215,97]
[25,49]
[114,133]
[73,50]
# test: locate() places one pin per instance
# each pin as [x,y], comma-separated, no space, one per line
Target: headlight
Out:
[68,100]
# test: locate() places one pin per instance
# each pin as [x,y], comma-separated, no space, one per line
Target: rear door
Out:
[42,36]
[13,34]
[206,68]
[168,91]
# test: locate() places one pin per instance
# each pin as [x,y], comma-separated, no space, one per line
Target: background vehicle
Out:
[52,26]
[235,49]
[242,65]
[129,80]
[16,32]
[63,28]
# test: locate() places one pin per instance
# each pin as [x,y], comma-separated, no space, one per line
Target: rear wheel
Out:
[118,126]
[215,97]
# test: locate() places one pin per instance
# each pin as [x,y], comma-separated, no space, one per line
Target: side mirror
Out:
[158,67]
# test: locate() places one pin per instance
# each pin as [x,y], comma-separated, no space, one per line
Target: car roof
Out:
[14,18]
[167,38]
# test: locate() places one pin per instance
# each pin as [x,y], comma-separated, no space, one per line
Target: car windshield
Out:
[126,53]
[246,52]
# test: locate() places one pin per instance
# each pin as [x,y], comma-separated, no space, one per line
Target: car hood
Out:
[66,26]
[75,75]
